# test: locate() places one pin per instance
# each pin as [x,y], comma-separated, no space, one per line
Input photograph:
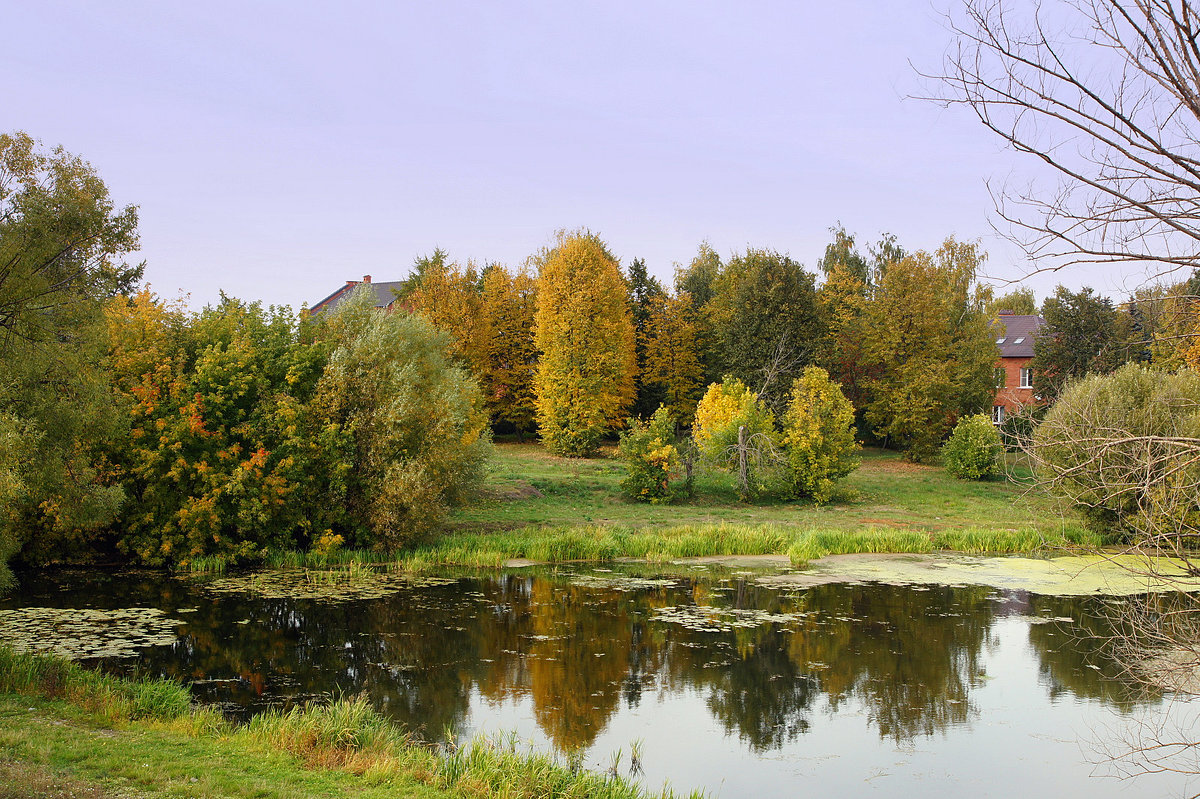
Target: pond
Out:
[721,679]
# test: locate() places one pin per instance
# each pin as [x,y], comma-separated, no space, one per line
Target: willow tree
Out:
[584,330]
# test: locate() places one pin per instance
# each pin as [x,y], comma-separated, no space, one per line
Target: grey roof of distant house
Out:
[385,295]
[1017,332]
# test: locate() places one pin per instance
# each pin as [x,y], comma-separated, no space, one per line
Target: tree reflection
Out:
[580,651]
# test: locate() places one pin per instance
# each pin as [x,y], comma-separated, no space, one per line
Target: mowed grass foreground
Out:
[539,507]
[69,732]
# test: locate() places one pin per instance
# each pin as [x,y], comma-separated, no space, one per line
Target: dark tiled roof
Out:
[1015,334]
[385,295]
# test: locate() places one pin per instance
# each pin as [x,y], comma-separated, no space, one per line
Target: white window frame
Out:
[997,414]
[1026,377]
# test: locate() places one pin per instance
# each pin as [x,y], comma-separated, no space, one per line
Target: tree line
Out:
[130,425]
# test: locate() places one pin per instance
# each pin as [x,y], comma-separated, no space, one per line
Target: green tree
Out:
[697,281]
[62,250]
[645,291]
[818,436]
[1125,447]
[418,430]
[584,330]
[764,319]
[931,352]
[1019,301]
[974,448]
[1080,337]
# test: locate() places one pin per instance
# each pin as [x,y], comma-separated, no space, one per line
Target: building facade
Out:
[1014,376]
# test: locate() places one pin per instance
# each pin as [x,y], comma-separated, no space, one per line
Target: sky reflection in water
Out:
[843,690]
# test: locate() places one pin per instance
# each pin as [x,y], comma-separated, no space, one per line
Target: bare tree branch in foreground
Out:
[1107,95]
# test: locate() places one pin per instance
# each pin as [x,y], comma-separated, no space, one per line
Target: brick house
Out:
[385,295]
[1014,338]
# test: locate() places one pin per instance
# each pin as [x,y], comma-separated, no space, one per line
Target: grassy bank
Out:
[540,507]
[84,734]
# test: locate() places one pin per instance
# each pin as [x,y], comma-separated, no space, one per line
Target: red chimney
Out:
[366,278]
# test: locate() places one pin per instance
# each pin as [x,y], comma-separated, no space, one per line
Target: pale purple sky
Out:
[277,150]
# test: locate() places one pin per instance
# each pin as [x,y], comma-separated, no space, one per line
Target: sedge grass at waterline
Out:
[607,543]
[347,736]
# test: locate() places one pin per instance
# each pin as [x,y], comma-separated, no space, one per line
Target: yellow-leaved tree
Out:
[451,298]
[818,435]
[671,355]
[584,330]
[509,302]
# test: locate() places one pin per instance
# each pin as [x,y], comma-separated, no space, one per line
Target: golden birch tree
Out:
[509,304]
[584,331]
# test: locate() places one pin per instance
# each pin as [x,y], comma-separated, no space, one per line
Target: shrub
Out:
[973,449]
[1125,447]
[818,435]
[727,408]
[651,458]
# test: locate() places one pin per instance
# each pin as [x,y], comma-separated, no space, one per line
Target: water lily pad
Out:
[81,633]
[327,585]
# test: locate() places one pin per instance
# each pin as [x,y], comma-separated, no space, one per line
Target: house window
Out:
[1001,340]
[997,414]
[999,377]
[1019,340]
[1026,378]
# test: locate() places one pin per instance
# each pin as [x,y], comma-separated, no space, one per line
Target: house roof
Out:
[1015,334]
[385,294]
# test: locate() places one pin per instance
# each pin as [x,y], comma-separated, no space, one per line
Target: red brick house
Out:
[1014,338]
[385,295]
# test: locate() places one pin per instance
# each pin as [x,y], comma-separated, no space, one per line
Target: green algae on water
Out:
[1073,575]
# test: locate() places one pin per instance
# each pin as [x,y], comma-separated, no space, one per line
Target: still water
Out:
[724,683]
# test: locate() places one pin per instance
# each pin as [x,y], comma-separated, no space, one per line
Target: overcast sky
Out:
[278,150]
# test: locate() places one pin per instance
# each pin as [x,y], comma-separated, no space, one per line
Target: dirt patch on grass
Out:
[514,493]
[28,781]
[896,466]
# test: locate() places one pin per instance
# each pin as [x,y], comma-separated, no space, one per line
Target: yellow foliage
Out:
[584,330]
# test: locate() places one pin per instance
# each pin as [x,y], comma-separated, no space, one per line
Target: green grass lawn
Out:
[540,507]
[528,486]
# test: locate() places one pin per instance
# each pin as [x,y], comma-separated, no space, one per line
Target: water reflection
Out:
[764,660]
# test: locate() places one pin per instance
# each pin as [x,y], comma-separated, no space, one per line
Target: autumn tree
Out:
[451,297]
[221,457]
[842,302]
[671,361]
[584,330]
[735,431]
[931,349]
[818,436]
[645,291]
[507,380]
[1018,301]
[765,323]
[697,281]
